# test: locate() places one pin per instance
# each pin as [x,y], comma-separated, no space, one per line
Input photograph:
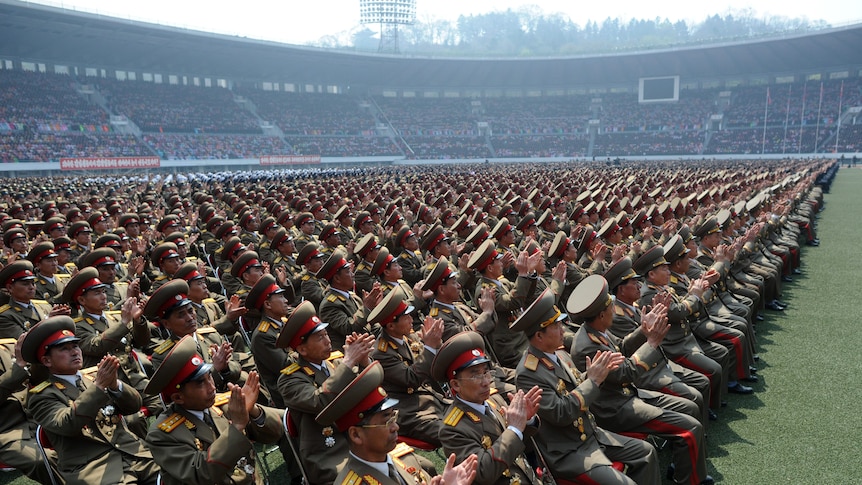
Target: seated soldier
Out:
[364,413]
[170,306]
[44,259]
[341,308]
[574,447]
[23,310]
[406,362]
[270,300]
[202,437]
[307,385]
[622,407]
[475,424]
[82,417]
[18,430]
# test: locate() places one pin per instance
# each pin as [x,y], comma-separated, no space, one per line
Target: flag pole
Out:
[786,119]
[802,116]
[817,130]
[840,100]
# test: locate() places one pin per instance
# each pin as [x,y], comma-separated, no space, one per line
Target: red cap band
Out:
[398,311]
[463,360]
[356,413]
[335,269]
[59,334]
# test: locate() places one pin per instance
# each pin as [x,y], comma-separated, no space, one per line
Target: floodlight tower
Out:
[389,14]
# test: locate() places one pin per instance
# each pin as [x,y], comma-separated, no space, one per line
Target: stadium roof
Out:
[39,33]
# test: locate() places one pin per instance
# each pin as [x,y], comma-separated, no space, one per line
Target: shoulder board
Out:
[41,387]
[205,330]
[331,298]
[4,308]
[531,362]
[171,422]
[619,311]
[39,302]
[400,450]
[306,277]
[453,417]
[405,255]
[7,341]
[264,326]
[241,291]
[382,345]
[222,399]
[189,424]
[361,266]
[290,369]
[208,300]
[474,417]
[434,312]
[78,319]
[674,279]
[371,480]
[351,479]
[161,277]
[336,354]
[113,312]
[161,349]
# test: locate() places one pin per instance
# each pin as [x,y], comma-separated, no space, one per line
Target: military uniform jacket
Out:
[312,288]
[679,339]
[210,314]
[86,429]
[100,338]
[509,298]
[49,290]
[569,439]
[405,463]
[362,277]
[15,319]
[269,358]
[627,327]
[618,397]
[117,293]
[189,452]
[305,391]
[13,393]
[344,314]
[407,377]
[500,450]
[411,266]
[458,317]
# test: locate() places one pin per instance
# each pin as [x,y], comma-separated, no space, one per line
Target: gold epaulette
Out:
[306,277]
[222,398]
[263,327]
[531,362]
[205,330]
[78,319]
[674,280]
[114,312]
[331,298]
[595,339]
[335,354]
[161,277]
[7,341]
[619,311]
[434,312]
[161,349]
[208,300]
[290,369]
[351,479]
[383,345]
[41,387]
[39,302]
[453,417]
[171,422]
[405,255]
[4,308]
[400,450]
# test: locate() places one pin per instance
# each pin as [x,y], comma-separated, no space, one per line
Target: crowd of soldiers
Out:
[556,318]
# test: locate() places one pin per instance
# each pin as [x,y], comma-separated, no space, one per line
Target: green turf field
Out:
[801,426]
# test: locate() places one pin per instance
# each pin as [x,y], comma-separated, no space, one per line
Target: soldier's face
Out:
[19,245]
[629,291]
[276,305]
[48,266]
[65,359]
[198,290]
[380,437]
[450,290]
[393,272]
[107,273]
[411,244]
[22,290]
[196,395]
[170,266]
[473,384]
[316,348]
[551,338]
[660,275]
[182,321]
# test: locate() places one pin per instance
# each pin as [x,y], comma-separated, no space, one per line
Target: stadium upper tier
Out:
[44,117]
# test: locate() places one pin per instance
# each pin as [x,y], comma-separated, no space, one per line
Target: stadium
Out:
[127,89]
[137,155]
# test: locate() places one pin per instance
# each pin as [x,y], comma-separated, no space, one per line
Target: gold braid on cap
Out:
[552,319]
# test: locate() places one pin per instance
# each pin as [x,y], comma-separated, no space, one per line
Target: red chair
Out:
[291,433]
[44,443]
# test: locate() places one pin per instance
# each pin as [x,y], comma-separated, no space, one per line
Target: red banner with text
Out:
[109,163]
[289,159]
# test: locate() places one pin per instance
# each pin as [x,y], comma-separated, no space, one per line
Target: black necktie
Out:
[208,419]
[79,383]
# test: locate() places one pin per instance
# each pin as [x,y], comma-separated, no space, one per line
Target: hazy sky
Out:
[300,22]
